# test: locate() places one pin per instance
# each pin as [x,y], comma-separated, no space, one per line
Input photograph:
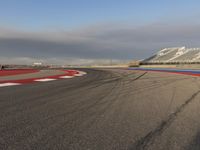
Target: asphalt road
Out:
[104,110]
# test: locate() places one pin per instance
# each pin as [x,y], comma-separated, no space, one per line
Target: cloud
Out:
[103,42]
[58,61]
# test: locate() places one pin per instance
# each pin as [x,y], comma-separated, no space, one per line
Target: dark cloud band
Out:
[106,42]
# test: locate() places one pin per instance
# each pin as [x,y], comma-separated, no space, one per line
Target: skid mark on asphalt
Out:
[82,109]
[171,101]
[104,104]
[139,76]
[151,86]
[147,140]
[114,79]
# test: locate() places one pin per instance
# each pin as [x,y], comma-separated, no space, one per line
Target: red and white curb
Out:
[44,80]
[68,75]
[8,84]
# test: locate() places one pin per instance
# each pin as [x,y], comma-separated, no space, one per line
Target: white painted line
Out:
[8,84]
[81,72]
[44,80]
[78,75]
[66,77]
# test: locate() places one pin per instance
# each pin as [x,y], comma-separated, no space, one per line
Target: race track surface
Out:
[112,109]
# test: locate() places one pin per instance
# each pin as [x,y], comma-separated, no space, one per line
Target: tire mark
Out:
[93,116]
[171,101]
[157,85]
[147,140]
[139,77]
[114,79]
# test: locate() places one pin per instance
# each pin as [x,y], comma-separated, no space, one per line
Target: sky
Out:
[94,31]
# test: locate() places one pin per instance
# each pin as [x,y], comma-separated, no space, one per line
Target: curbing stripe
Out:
[9,84]
[69,74]
[66,77]
[78,75]
[45,80]
[81,72]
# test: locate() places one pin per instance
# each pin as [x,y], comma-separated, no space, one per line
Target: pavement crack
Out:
[144,142]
